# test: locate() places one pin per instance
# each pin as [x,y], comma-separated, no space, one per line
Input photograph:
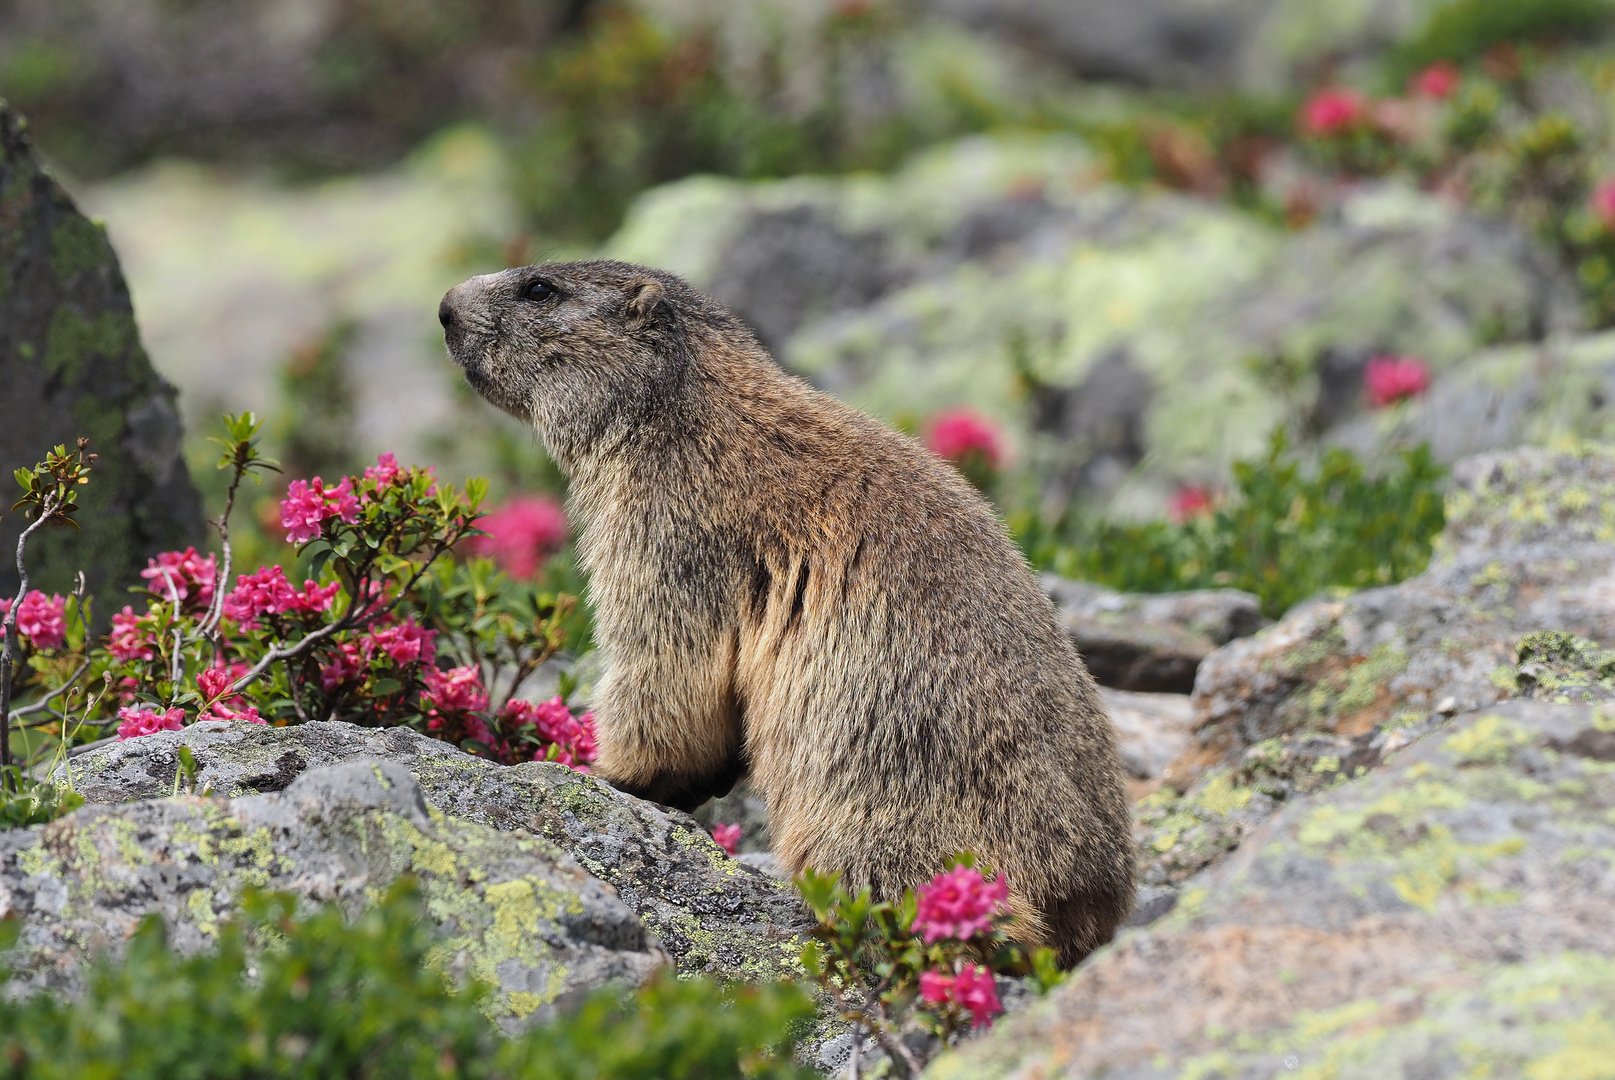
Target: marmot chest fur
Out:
[786,586]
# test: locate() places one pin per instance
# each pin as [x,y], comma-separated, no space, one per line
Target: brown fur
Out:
[784,585]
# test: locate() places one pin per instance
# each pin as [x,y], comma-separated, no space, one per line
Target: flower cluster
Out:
[550,730]
[130,640]
[521,535]
[957,435]
[214,684]
[1333,111]
[267,592]
[135,722]
[959,904]
[308,504]
[404,642]
[41,619]
[727,837]
[182,575]
[1389,379]
[971,988]
[1190,501]
[1337,111]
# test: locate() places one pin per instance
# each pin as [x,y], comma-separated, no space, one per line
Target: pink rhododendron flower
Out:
[213,683]
[1332,111]
[1439,80]
[1189,501]
[267,592]
[573,737]
[974,988]
[959,904]
[521,535]
[956,434]
[41,619]
[344,666]
[456,690]
[1602,202]
[1389,379]
[146,721]
[128,641]
[405,642]
[309,503]
[179,574]
[221,711]
[727,837]
[384,471]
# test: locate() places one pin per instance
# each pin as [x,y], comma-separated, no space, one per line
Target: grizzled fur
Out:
[784,585]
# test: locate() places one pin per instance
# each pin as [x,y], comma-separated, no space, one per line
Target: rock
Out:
[1444,916]
[1152,731]
[1150,643]
[513,910]
[711,913]
[1131,316]
[72,365]
[1528,546]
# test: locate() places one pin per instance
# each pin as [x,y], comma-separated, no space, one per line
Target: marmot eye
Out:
[539,290]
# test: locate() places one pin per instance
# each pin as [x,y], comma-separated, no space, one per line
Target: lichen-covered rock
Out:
[512,909]
[71,365]
[711,913]
[1151,644]
[1002,263]
[1529,545]
[1445,916]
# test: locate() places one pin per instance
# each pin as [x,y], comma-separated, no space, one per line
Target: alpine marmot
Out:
[785,586]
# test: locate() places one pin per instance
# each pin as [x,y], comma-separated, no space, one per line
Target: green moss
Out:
[78,245]
[72,340]
[1490,740]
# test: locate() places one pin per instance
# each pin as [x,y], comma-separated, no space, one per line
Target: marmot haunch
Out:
[786,586]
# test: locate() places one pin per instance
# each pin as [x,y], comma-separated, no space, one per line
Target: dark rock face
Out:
[513,909]
[1443,916]
[71,365]
[1150,643]
[711,913]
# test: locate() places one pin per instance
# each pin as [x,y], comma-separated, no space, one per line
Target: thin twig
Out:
[9,647]
[215,611]
[44,702]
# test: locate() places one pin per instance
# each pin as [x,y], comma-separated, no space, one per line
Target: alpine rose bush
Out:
[41,619]
[308,505]
[728,838]
[136,722]
[1389,379]
[521,535]
[1332,111]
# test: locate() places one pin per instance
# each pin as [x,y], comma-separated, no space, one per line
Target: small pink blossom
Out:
[146,721]
[177,573]
[405,642]
[960,904]
[1602,203]
[384,471]
[128,640]
[213,683]
[1439,80]
[727,837]
[1389,379]
[1332,111]
[308,504]
[41,619]
[958,434]
[221,711]
[522,534]
[974,988]
[344,666]
[1189,501]
[456,690]
[262,592]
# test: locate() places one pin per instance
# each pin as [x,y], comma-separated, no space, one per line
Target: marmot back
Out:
[785,585]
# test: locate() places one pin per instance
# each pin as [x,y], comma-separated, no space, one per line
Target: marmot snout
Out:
[786,586]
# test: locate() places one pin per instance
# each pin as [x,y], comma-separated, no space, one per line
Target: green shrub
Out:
[1466,29]
[1284,533]
[320,996]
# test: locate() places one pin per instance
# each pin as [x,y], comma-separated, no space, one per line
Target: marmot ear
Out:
[646,302]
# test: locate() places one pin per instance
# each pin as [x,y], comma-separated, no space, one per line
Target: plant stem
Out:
[9,647]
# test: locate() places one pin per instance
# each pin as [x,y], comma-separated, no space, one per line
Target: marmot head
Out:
[582,350]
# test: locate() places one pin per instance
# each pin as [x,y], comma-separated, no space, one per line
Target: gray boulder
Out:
[710,913]
[512,909]
[1444,916]
[71,365]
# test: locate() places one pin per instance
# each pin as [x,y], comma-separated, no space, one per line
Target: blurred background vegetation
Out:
[1138,240]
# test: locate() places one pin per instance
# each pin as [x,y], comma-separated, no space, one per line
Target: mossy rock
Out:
[71,365]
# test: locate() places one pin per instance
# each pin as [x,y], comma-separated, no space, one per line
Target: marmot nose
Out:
[445,313]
